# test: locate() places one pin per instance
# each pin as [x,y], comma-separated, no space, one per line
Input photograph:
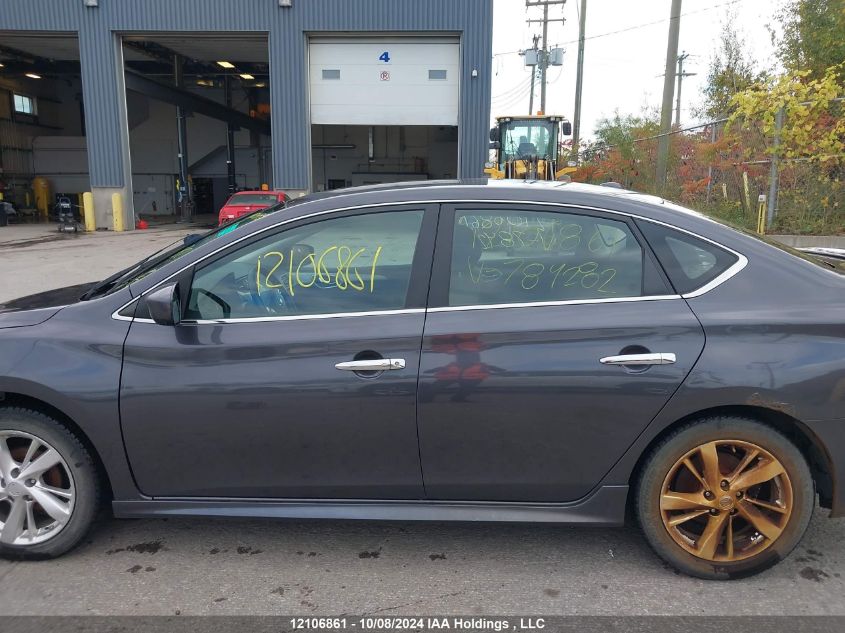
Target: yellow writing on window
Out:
[333,267]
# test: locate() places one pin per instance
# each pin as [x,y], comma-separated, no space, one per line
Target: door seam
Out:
[420,353]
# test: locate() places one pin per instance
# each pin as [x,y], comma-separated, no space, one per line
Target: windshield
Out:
[171,253]
[526,138]
[252,198]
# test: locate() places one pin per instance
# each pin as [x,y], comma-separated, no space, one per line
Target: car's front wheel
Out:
[48,486]
[725,497]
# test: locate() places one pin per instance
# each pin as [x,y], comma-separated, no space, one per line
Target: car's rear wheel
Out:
[724,498]
[48,486]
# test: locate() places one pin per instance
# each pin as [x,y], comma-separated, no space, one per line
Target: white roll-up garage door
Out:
[384,81]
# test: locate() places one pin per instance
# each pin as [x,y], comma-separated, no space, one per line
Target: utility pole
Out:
[579,80]
[710,166]
[668,89]
[544,64]
[773,170]
[681,74]
[543,60]
[533,79]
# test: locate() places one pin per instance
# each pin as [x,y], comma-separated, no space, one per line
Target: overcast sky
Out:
[622,70]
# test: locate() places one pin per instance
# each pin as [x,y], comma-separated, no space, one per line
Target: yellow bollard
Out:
[88,211]
[117,211]
[761,214]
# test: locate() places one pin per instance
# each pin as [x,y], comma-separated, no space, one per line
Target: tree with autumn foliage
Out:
[721,168]
[809,142]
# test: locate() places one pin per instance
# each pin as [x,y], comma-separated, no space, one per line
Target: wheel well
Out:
[797,432]
[8,399]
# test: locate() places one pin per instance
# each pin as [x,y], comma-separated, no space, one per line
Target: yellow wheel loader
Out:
[527,148]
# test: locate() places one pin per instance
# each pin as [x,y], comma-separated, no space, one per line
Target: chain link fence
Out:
[722,170]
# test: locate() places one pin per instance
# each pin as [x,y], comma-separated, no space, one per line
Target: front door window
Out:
[358,263]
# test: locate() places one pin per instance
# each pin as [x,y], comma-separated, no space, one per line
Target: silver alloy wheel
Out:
[37,491]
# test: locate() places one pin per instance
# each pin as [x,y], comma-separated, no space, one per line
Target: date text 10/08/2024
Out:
[410,623]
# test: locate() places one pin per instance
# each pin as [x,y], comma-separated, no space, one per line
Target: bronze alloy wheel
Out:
[726,500]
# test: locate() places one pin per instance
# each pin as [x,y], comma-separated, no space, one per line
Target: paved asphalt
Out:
[186,566]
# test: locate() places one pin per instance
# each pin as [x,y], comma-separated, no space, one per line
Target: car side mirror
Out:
[164,305]
[566,128]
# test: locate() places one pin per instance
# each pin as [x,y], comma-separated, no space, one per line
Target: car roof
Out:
[501,185]
[599,196]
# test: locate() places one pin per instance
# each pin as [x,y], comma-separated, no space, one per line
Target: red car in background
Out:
[245,202]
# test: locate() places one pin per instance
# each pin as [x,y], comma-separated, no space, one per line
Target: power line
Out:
[515,86]
[514,100]
[631,28]
[518,88]
[510,102]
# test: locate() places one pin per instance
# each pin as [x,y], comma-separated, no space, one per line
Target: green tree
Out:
[619,132]
[813,36]
[731,71]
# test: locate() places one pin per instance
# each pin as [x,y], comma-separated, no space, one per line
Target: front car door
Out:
[522,396]
[293,373]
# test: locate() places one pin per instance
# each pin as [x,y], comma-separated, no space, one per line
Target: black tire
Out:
[665,455]
[82,469]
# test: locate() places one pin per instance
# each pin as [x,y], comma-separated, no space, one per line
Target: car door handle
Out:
[375,364]
[662,358]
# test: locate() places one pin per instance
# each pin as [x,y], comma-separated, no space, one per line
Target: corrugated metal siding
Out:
[288,29]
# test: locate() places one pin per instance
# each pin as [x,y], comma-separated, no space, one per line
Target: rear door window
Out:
[690,262]
[511,256]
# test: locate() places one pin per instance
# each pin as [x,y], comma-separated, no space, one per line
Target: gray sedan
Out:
[473,351]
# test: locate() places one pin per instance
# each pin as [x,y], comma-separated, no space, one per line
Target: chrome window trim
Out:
[543,304]
[742,261]
[304,317]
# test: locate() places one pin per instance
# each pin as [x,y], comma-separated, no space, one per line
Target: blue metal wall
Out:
[288,29]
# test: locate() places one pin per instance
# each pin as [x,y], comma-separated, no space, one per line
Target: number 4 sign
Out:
[384,57]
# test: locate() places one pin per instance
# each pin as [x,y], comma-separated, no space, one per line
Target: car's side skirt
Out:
[606,506]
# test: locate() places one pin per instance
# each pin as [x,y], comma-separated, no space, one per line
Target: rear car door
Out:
[293,373]
[552,339]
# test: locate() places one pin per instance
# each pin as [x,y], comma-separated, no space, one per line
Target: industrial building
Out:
[174,104]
